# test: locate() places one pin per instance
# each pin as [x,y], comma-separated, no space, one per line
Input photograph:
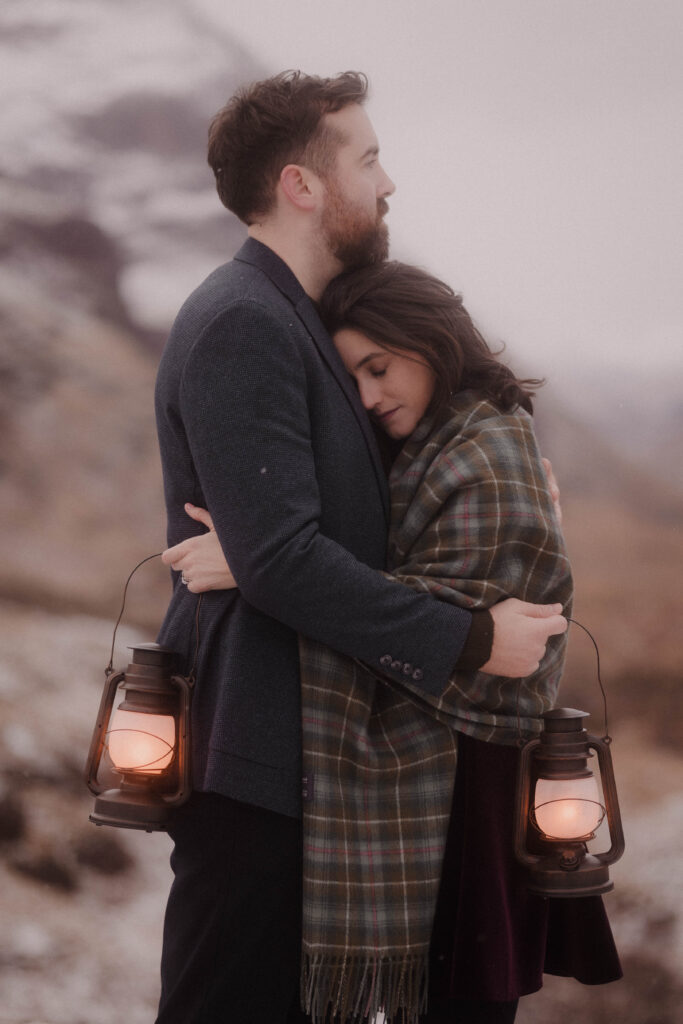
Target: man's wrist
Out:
[477,648]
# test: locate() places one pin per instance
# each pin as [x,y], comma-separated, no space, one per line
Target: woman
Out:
[386,871]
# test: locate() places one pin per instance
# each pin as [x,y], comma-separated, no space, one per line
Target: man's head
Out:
[271,131]
[270,124]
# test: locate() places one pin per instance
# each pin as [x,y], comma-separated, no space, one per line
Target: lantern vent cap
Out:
[152,654]
[564,720]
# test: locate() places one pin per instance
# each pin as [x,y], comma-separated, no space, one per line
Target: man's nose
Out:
[386,187]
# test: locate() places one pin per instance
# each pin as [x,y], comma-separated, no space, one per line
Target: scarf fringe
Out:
[352,989]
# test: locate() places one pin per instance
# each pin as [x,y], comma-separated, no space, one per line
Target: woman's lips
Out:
[384,416]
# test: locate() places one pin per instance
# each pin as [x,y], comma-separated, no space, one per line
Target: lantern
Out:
[559,809]
[142,746]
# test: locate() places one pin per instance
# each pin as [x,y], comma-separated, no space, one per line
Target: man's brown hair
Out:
[270,124]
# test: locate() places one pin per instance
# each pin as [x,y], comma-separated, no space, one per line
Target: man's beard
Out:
[353,238]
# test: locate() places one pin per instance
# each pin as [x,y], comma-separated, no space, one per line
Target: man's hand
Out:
[520,634]
[200,559]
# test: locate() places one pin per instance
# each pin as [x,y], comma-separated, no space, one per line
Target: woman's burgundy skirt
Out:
[492,938]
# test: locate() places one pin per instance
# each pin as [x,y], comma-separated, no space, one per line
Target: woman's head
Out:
[409,314]
[396,387]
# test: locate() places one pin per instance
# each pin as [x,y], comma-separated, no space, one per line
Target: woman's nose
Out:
[370,393]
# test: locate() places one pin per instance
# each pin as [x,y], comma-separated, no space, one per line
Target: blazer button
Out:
[417,675]
[386,660]
[396,665]
[407,669]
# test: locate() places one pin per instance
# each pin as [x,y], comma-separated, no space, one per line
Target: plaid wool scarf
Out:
[472,523]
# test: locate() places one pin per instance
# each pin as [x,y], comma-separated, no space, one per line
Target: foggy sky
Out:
[536,146]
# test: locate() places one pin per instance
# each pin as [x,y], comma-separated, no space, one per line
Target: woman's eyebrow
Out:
[366,359]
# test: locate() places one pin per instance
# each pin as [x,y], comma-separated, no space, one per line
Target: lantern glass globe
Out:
[568,808]
[141,742]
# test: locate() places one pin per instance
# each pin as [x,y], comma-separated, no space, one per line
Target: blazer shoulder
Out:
[226,287]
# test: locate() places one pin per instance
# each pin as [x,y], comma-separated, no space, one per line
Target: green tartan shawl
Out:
[473,523]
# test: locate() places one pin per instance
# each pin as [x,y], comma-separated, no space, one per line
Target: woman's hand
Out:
[200,559]
[553,488]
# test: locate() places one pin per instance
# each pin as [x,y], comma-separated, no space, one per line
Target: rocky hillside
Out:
[106,198]
[80,486]
[622,520]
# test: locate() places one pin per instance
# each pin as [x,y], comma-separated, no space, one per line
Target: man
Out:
[259,422]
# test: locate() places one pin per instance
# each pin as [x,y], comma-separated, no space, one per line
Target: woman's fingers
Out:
[200,515]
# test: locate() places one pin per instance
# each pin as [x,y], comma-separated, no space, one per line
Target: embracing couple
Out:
[384,589]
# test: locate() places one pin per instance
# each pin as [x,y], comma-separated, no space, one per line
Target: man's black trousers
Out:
[232,933]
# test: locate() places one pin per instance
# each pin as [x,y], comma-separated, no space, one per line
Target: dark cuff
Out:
[477,648]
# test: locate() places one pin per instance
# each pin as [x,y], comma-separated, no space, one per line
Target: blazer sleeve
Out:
[243,404]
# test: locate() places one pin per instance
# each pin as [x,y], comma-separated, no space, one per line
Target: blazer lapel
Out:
[282,277]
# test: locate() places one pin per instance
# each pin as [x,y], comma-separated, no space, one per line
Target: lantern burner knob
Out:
[571,858]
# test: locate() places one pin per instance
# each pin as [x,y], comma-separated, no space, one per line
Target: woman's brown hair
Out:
[404,308]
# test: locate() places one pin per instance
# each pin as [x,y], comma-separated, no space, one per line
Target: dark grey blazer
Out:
[259,422]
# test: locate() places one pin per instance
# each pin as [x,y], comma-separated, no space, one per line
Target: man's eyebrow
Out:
[371,151]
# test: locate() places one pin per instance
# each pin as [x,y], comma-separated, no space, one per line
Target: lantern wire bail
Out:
[110,667]
[606,738]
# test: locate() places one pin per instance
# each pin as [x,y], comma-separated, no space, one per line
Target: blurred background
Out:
[536,147]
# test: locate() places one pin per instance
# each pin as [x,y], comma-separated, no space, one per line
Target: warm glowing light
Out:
[141,742]
[567,808]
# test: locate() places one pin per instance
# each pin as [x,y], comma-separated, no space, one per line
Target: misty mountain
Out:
[124,150]
[108,213]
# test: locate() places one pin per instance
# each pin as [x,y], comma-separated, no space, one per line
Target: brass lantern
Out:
[559,809]
[138,765]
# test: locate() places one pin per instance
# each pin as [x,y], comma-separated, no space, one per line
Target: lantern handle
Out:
[110,667]
[607,738]
[184,684]
[97,742]
[522,804]
[191,678]
[601,747]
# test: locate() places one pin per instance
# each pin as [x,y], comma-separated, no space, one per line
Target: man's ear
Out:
[300,186]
